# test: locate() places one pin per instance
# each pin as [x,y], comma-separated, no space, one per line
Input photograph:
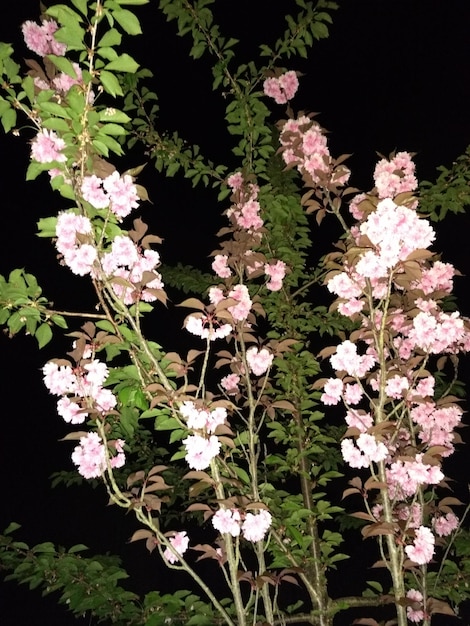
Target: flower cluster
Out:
[207,326]
[180,543]
[259,361]
[132,271]
[253,527]
[90,455]
[47,147]
[81,389]
[74,242]
[204,445]
[304,145]
[246,208]
[422,549]
[395,176]
[40,38]
[283,88]
[115,191]
[392,284]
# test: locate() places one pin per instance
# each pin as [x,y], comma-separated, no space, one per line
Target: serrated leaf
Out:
[124,63]
[43,335]
[110,83]
[128,21]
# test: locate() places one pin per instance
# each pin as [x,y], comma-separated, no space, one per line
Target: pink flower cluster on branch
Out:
[90,455]
[202,446]
[282,88]
[304,145]
[180,543]
[81,388]
[239,255]
[253,527]
[40,38]
[393,286]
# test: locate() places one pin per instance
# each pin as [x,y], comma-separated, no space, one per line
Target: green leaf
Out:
[47,226]
[63,64]
[113,115]
[59,320]
[55,109]
[128,21]
[166,423]
[80,547]
[124,63]
[9,120]
[112,129]
[54,123]
[81,5]
[11,528]
[110,83]
[73,36]
[43,335]
[111,38]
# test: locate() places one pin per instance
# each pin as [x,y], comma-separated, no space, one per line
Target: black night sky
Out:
[394,75]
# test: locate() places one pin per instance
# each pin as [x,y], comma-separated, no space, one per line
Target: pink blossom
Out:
[67,227]
[59,380]
[368,450]
[220,267]
[405,477]
[422,548]
[272,89]
[81,259]
[230,383]
[396,231]
[200,451]
[180,543]
[122,193]
[255,527]
[46,147]
[346,359]
[344,286]
[444,525]
[248,215]
[359,419]
[40,39]
[283,88]
[276,272]
[92,192]
[354,206]
[395,386]
[415,613]
[240,310]
[216,295]
[259,361]
[395,176]
[227,521]
[235,181]
[71,411]
[425,387]
[207,328]
[289,83]
[332,391]
[353,394]
[63,82]
[104,399]
[97,372]
[437,278]
[351,307]
[203,419]
[90,456]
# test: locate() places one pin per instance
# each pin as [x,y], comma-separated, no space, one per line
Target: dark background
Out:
[394,74]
